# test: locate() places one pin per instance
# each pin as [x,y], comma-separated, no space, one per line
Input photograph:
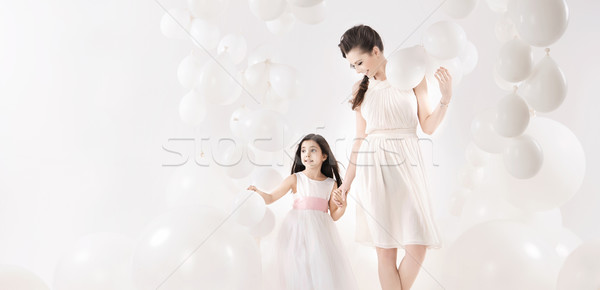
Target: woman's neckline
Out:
[313,179]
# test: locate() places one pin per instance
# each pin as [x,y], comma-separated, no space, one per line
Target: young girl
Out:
[310,251]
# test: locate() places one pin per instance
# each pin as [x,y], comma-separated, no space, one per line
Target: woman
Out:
[391,189]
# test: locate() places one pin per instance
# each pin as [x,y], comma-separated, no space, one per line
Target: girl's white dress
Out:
[391,188]
[311,255]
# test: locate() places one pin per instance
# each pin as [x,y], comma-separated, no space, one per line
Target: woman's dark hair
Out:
[329,167]
[364,38]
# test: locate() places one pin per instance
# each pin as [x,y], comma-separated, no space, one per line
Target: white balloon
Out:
[515,61]
[283,80]
[267,10]
[310,15]
[469,58]
[475,156]
[502,83]
[234,45]
[196,247]
[512,116]
[444,39]
[219,82]
[501,255]
[566,243]
[175,23]
[304,3]
[195,185]
[539,22]
[471,177]
[546,88]
[457,201]
[207,8]
[484,135]
[239,123]
[580,270]
[189,71]
[97,261]
[283,24]
[205,34]
[523,157]
[459,8]
[268,130]
[192,109]
[18,278]
[236,158]
[265,226]
[406,67]
[266,178]
[505,30]
[274,102]
[248,208]
[498,6]
[256,79]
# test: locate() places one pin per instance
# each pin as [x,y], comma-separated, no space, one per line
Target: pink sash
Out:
[310,202]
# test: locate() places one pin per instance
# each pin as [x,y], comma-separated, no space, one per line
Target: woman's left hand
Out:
[445,79]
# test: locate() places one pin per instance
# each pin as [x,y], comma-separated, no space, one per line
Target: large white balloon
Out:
[546,88]
[207,8]
[561,174]
[267,10]
[196,248]
[444,39]
[219,82]
[406,67]
[505,30]
[498,6]
[515,61]
[566,242]
[205,34]
[189,71]
[283,79]
[283,24]
[475,156]
[304,3]
[192,109]
[501,255]
[486,204]
[512,116]
[266,179]
[175,23]
[248,208]
[523,157]
[539,22]
[469,58]
[310,15]
[484,135]
[265,226]
[239,123]
[18,278]
[96,262]
[459,8]
[268,130]
[580,270]
[234,45]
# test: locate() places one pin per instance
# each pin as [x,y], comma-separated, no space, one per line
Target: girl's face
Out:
[366,63]
[311,154]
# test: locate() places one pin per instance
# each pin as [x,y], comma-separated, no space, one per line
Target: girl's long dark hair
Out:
[329,167]
[365,38]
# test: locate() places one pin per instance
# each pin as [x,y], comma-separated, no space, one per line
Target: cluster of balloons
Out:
[444,44]
[280,15]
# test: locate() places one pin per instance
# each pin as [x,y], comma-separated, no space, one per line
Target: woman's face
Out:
[364,62]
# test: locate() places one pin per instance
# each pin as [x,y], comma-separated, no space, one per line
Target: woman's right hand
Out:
[252,187]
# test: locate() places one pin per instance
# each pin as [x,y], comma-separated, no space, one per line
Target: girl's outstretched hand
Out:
[252,187]
[445,80]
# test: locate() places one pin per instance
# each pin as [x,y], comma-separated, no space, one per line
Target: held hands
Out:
[339,195]
[445,80]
